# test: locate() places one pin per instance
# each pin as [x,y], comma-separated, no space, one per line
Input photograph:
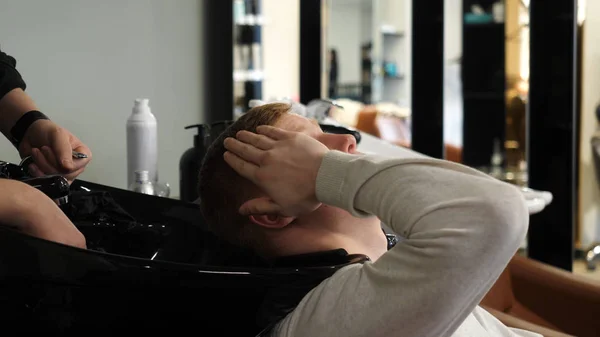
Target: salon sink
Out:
[151,267]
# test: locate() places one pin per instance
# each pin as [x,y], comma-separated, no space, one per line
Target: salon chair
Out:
[537,297]
[395,131]
[151,267]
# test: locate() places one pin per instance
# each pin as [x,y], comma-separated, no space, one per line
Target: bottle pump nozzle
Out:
[202,133]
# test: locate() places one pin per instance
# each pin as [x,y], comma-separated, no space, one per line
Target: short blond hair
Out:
[222,191]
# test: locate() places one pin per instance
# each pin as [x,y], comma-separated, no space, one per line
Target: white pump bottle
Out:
[142,142]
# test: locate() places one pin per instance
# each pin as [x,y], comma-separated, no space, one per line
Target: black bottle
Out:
[189,165]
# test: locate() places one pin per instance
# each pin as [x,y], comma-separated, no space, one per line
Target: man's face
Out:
[297,123]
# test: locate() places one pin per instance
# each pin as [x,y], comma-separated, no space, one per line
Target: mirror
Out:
[349,42]
[486,71]
[367,65]
[517,90]
[453,91]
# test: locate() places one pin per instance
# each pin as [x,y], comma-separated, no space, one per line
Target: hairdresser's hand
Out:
[33,213]
[283,164]
[51,148]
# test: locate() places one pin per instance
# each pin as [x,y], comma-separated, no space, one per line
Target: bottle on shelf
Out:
[190,163]
[239,11]
[142,142]
[162,189]
[142,183]
[496,169]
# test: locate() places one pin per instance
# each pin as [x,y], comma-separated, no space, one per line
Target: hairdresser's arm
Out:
[28,210]
[13,105]
[11,82]
[49,144]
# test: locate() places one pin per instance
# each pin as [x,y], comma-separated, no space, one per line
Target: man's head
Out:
[223,191]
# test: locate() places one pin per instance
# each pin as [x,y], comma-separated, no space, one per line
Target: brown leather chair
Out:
[395,131]
[528,295]
[367,121]
[537,297]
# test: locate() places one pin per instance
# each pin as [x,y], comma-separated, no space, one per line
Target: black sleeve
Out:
[9,76]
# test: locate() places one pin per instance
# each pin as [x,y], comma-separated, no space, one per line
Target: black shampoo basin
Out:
[150,267]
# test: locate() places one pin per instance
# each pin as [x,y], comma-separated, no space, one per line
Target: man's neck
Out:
[365,238]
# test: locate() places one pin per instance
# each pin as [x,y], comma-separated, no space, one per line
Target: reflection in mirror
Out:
[483,74]
[367,65]
[349,38]
[486,85]
[453,99]
[517,87]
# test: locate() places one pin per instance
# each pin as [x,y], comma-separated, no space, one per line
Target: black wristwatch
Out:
[20,128]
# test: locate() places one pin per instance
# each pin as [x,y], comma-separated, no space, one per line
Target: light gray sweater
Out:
[461,228]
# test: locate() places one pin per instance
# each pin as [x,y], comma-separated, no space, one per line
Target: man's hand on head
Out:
[283,164]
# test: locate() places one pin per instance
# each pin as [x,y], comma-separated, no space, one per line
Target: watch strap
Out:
[23,123]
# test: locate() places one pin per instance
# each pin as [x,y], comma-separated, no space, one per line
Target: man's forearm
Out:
[461,228]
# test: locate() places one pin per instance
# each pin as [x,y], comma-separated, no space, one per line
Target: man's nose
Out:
[342,143]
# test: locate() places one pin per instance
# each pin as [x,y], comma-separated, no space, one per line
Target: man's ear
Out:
[271,221]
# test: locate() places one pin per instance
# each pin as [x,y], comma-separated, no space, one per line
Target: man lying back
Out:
[275,183]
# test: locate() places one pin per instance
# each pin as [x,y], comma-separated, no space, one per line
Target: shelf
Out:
[393,34]
[395,77]
[390,30]
[248,75]
[490,95]
[483,24]
[250,20]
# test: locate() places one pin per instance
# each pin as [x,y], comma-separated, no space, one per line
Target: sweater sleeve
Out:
[9,76]
[461,229]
